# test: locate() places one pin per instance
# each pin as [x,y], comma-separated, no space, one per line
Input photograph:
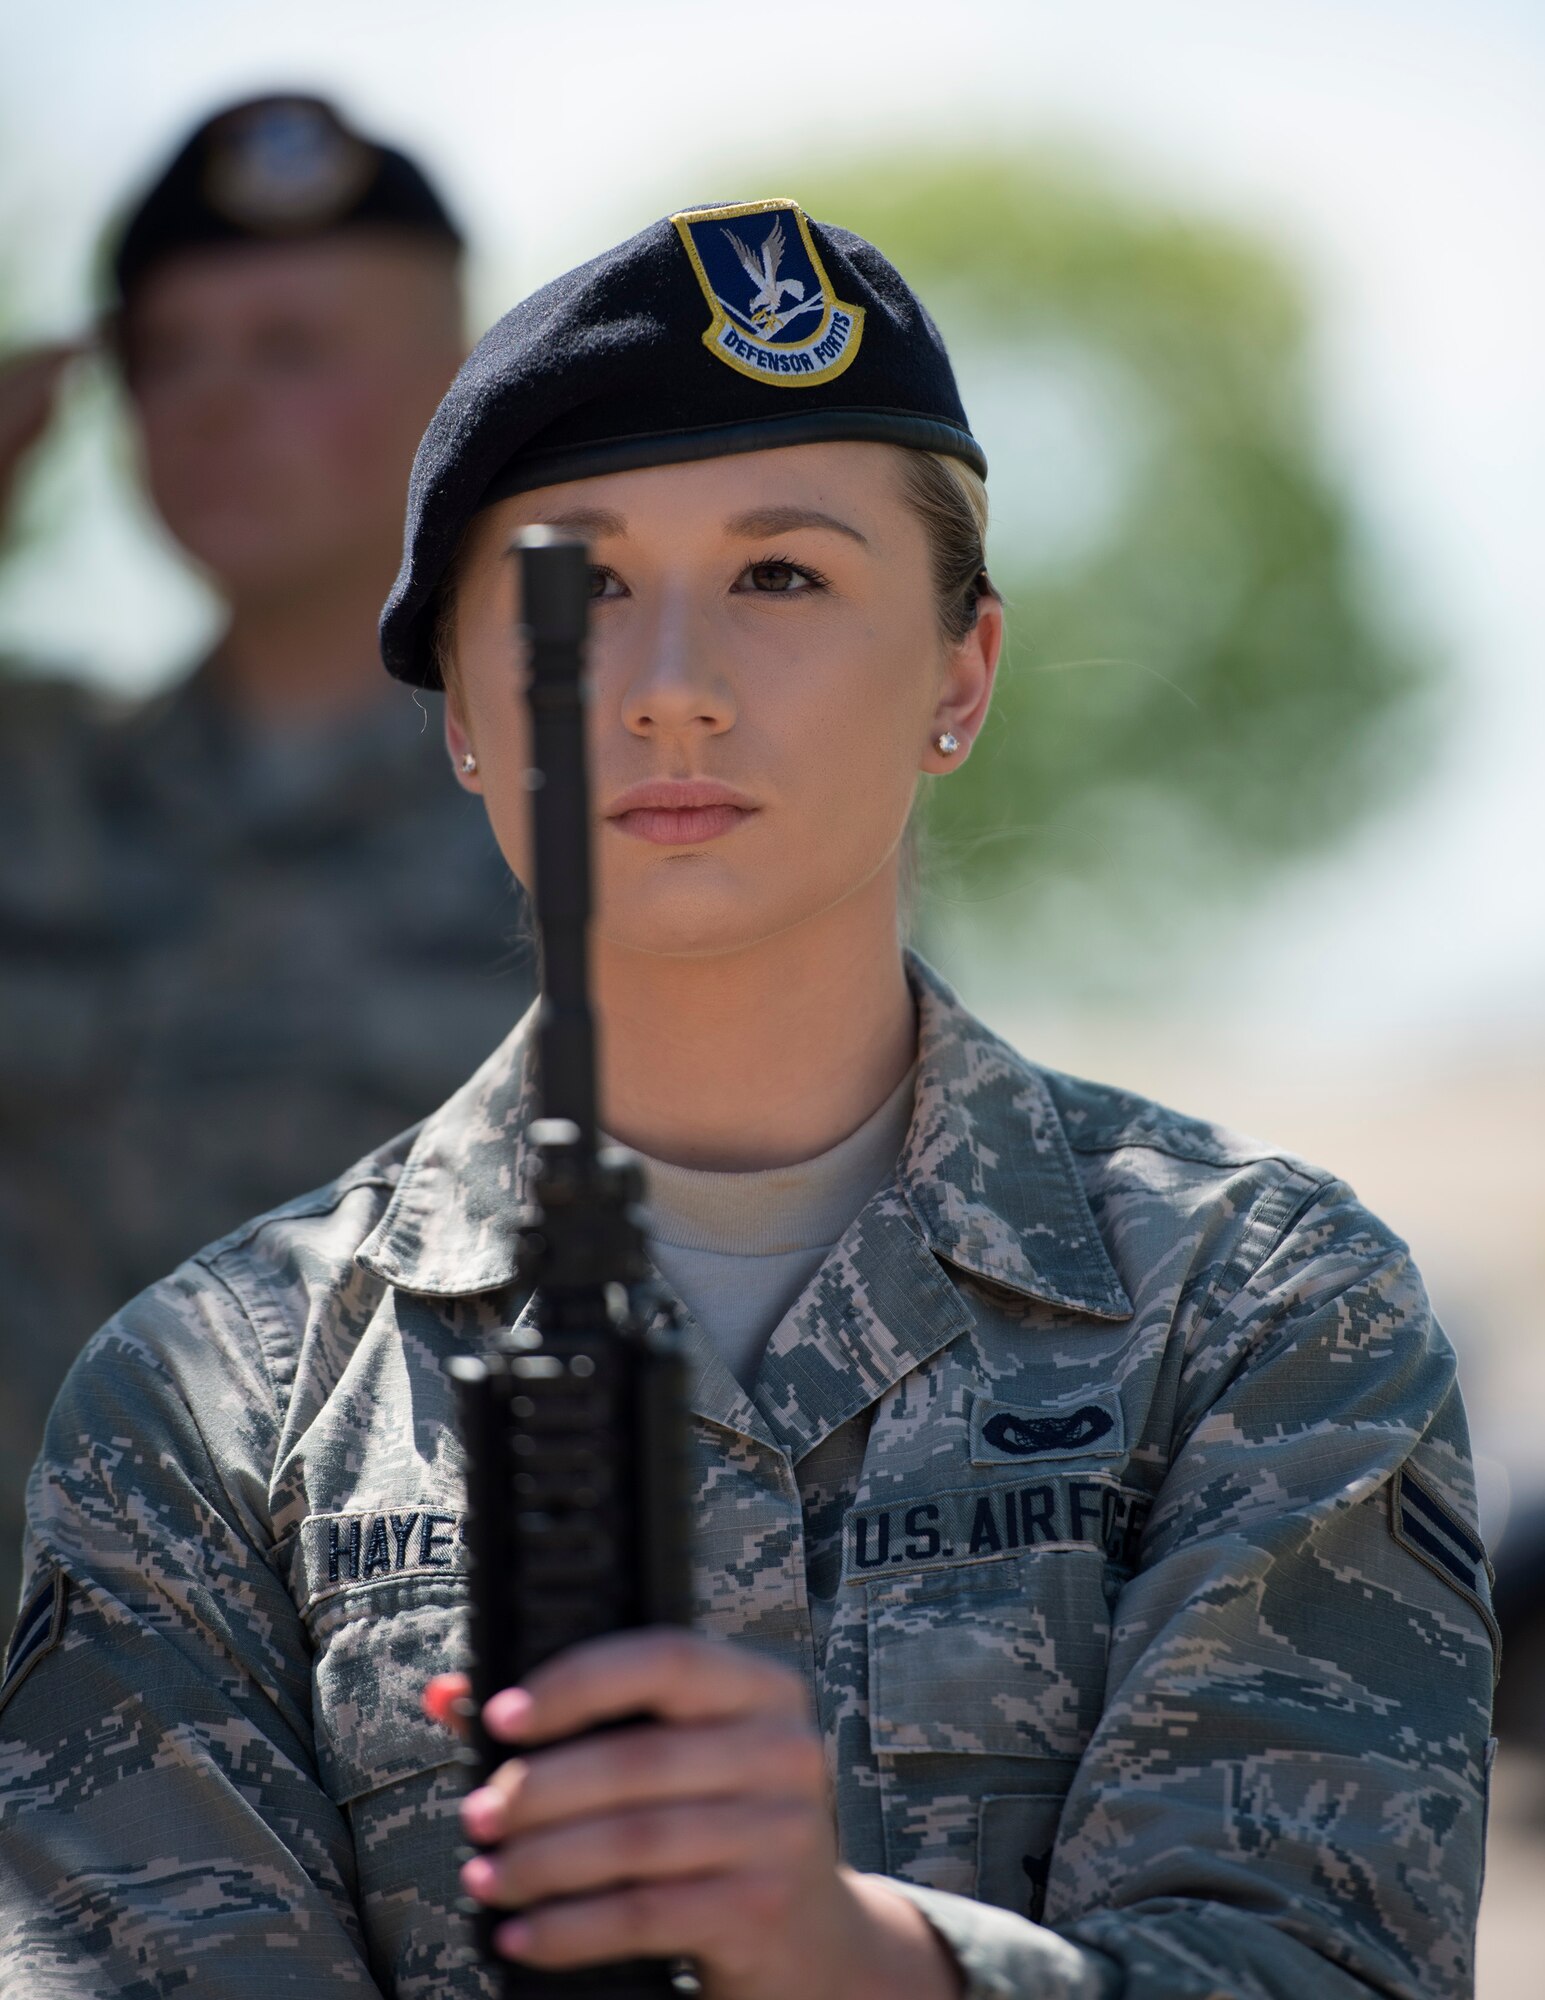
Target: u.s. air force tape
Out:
[979,1523]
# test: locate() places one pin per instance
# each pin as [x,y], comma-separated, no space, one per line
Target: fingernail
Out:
[512,1939]
[480,1813]
[504,1715]
[479,1877]
[433,1698]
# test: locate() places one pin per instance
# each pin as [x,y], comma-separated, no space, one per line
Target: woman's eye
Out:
[784,579]
[604,583]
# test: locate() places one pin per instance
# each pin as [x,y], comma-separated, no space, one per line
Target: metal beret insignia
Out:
[775,316]
[284,164]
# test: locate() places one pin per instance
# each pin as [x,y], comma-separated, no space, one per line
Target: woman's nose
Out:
[675,688]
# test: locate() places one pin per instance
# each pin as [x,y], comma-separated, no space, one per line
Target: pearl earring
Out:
[946,743]
[468,762]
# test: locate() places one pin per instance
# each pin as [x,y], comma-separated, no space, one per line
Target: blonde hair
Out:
[951,501]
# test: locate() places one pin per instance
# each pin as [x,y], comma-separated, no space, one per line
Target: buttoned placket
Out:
[823,1369]
[1003,1205]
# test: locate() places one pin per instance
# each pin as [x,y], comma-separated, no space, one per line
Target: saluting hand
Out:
[707,1832]
[29,383]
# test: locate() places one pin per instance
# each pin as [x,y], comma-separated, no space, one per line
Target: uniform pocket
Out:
[1015,1836]
[376,1646]
[985,1684]
[1005,1659]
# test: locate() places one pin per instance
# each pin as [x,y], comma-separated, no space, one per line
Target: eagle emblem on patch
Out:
[775,315]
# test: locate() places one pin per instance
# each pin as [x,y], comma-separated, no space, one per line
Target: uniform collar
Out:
[452,1226]
[986,1173]
[987,1169]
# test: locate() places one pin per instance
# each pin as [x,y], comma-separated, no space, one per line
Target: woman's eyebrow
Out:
[586,521]
[781,520]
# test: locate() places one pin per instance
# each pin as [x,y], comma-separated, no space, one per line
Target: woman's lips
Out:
[682,826]
[681,813]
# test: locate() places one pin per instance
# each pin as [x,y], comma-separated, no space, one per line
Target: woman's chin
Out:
[689,923]
[698,908]
[685,941]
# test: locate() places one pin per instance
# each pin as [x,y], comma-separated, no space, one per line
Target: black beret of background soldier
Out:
[251,928]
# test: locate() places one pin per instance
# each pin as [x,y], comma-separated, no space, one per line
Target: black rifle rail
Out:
[574,1420]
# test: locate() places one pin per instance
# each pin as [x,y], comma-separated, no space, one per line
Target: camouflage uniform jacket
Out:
[1109,1483]
[217,963]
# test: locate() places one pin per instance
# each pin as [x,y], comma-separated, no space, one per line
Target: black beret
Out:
[274,169]
[723,329]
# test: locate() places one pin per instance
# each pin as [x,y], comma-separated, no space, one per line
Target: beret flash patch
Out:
[775,317]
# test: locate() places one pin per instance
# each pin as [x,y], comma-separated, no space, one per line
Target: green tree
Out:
[1202,684]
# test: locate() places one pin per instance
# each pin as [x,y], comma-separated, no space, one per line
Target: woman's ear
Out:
[966,690]
[458,744]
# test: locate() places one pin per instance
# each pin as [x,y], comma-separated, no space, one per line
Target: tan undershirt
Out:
[740,1248]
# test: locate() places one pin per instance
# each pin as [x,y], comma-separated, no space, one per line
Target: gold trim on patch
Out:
[722,334]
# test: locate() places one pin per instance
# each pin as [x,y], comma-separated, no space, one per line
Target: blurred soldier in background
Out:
[250,929]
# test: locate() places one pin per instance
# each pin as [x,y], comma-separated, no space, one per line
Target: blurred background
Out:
[1248,312]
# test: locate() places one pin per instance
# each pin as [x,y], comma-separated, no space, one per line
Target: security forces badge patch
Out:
[776,316]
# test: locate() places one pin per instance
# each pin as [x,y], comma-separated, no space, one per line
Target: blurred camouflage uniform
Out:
[228,967]
[1109,1483]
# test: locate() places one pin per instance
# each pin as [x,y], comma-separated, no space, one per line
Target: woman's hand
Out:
[707,1832]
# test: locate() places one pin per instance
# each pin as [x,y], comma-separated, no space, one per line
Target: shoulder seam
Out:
[1131,1130]
[1294,1169]
[225,1280]
[302,1208]
[1272,1215]
[228,1267]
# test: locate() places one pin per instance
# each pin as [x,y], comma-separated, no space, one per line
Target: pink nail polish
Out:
[512,1939]
[506,1713]
[478,1877]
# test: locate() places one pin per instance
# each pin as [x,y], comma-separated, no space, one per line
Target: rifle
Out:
[574,1421]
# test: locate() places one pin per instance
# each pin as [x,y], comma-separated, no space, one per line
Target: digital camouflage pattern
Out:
[229,966]
[1073,1483]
